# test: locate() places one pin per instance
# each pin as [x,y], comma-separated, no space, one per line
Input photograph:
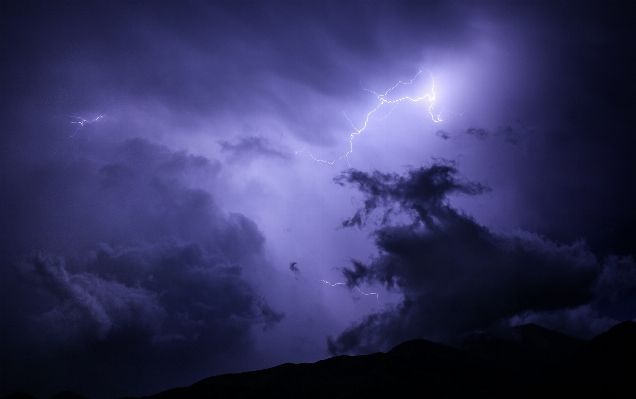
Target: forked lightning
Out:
[363,293]
[81,122]
[383,100]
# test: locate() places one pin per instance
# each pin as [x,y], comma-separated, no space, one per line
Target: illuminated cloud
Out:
[148,265]
[153,246]
[386,99]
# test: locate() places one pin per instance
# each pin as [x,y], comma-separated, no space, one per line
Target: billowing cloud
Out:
[423,191]
[124,259]
[614,294]
[456,275]
[128,263]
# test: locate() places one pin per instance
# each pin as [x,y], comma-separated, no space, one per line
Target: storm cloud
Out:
[457,276]
[135,258]
[150,246]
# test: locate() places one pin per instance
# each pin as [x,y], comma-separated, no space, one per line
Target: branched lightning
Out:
[81,122]
[382,101]
[363,293]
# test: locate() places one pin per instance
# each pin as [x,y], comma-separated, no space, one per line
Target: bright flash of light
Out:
[363,293]
[80,122]
[383,101]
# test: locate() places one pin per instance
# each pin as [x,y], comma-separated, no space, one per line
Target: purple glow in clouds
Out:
[182,236]
[430,97]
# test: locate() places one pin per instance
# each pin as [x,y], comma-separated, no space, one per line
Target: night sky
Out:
[165,217]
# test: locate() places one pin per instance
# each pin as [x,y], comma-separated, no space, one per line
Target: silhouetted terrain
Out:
[606,366]
[519,362]
[416,368]
[530,352]
[68,395]
[61,395]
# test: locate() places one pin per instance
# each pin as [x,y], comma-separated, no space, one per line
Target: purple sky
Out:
[154,246]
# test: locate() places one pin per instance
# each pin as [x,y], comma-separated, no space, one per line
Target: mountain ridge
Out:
[516,362]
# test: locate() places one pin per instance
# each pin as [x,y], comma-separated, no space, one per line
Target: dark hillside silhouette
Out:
[68,395]
[529,351]
[518,362]
[607,366]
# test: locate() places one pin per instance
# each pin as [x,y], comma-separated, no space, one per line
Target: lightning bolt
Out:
[382,101]
[363,293]
[81,122]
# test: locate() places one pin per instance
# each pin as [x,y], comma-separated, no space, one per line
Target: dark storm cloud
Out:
[456,276]
[116,268]
[115,261]
[614,300]
[250,147]
[618,278]
[423,190]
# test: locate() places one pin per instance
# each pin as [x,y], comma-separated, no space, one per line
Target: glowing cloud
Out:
[383,101]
